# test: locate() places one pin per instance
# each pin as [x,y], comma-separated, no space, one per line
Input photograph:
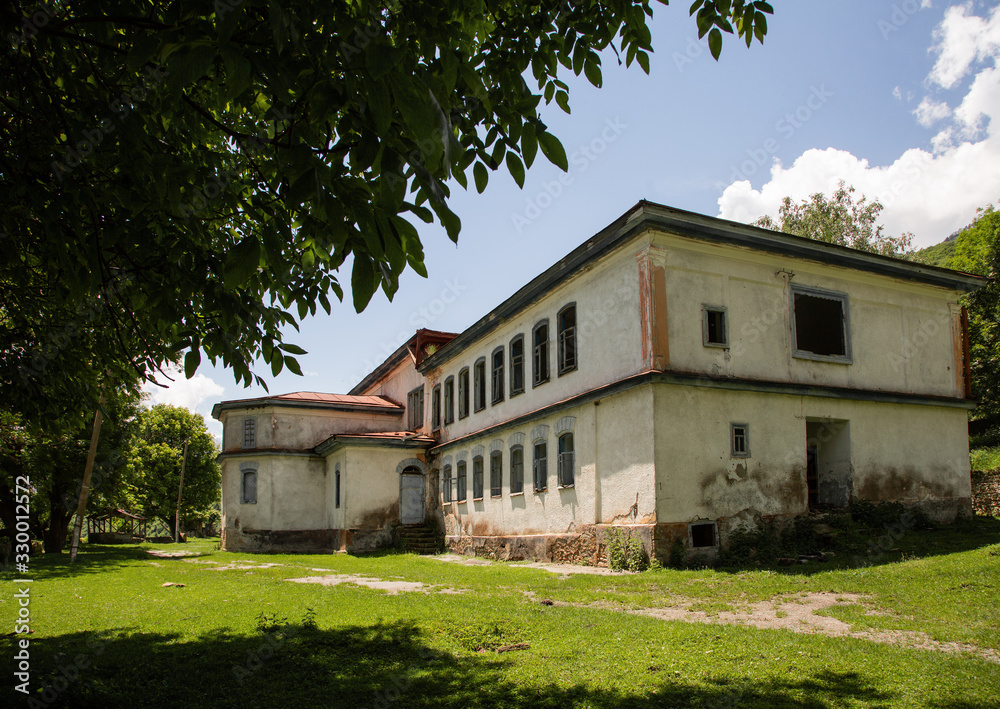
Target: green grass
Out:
[248,638]
[985,458]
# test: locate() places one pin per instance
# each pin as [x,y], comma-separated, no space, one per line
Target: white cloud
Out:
[928,192]
[189,393]
[930,112]
[897,93]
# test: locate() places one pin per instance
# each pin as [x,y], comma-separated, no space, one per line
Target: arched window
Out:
[463,393]
[446,487]
[477,478]
[566,462]
[516,470]
[497,378]
[496,474]
[462,489]
[517,365]
[449,400]
[540,353]
[539,466]
[567,339]
[336,485]
[248,483]
[479,384]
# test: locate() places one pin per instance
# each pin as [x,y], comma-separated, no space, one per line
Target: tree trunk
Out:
[54,538]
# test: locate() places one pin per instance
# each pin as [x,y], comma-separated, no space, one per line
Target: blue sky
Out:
[894,97]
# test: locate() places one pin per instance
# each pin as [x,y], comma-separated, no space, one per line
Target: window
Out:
[702,534]
[463,393]
[567,339]
[714,328]
[477,478]
[517,366]
[249,432]
[449,400]
[820,324]
[461,495]
[336,485]
[479,383]
[436,407]
[740,440]
[565,463]
[540,353]
[497,376]
[415,409]
[516,470]
[496,474]
[540,474]
[446,487]
[248,493]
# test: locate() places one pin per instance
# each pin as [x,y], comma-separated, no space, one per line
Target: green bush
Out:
[625,552]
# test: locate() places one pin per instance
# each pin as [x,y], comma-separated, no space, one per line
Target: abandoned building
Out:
[676,374]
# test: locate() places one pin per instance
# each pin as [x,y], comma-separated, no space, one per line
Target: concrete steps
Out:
[421,539]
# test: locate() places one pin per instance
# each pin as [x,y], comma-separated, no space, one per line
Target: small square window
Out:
[740,440]
[715,329]
[703,534]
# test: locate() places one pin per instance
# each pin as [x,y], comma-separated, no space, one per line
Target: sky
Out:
[900,99]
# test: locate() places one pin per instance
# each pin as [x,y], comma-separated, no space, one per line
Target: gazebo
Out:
[116,527]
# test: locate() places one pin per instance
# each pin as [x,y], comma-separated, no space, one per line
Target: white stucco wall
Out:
[614,473]
[902,334]
[608,344]
[395,386]
[291,493]
[297,428]
[903,452]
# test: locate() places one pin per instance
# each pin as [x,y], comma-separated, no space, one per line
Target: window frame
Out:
[251,435]
[449,400]
[336,486]
[733,428]
[566,461]
[845,316]
[415,408]
[715,535]
[446,484]
[561,339]
[461,482]
[477,478]
[463,393]
[539,466]
[479,385]
[496,473]
[436,408]
[516,365]
[540,355]
[517,471]
[497,381]
[243,485]
[706,310]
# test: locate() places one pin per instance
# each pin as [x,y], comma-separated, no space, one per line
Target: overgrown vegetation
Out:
[625,551]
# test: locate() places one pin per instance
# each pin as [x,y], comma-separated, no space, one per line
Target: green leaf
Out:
[363,281]
[276,364]
[562,98]
[294,349]
[482,176]
[191,361]
[516,169]
[529,143]
[238,72]
[242,262]
[715,42]
[189,64]
[643,60]
[592,69]
[293,366]
[553,150]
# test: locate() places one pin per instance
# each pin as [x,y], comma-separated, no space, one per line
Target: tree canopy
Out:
[154,463]
[838,219]
[186,178]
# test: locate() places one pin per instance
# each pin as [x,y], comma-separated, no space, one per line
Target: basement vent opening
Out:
[703,534]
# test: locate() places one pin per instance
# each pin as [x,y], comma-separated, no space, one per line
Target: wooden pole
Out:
[180,490]
[88,471]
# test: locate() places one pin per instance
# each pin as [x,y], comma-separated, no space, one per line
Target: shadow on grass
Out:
[96,558]
[892,544]
[377,666]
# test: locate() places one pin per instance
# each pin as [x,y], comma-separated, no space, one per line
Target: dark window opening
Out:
[496,474]
[715,327]
[540,353]
[462,489]
[463,393]
[516,469]
[703,535]
[479,385]
[539,468]
[820,325]
[415,409]
[497,376]
[477,478]
[517,365]
[449,400]
[565,471]
[336,487]
[740,443]
[436,407]
[447,483]
[567,339]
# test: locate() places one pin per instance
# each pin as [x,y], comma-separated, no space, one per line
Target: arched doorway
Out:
[411,495]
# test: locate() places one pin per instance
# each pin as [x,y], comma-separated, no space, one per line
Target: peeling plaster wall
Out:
[608,343]
[282,427]
[902,333]
[912,454]
[613,478]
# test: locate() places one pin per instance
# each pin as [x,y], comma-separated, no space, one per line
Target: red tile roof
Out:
[306,399]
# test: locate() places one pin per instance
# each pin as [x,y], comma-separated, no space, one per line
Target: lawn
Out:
[918,627]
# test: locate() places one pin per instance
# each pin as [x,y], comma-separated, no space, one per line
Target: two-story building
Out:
[676,374]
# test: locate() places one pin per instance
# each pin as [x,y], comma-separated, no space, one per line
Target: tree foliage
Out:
[186,178]
[154,463]
[838,219]
[54,465]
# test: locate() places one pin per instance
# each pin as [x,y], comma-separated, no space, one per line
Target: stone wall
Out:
[986,492]
[586,546]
